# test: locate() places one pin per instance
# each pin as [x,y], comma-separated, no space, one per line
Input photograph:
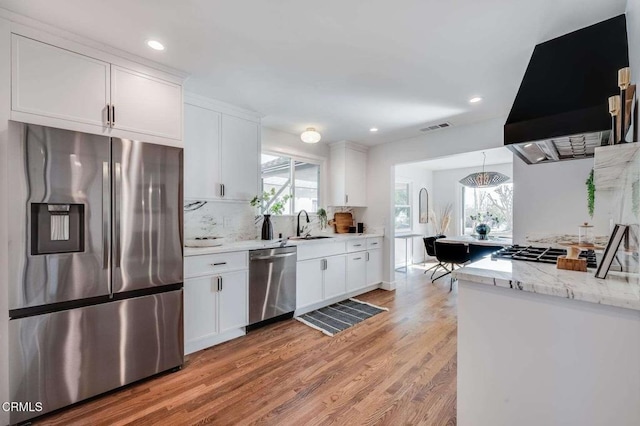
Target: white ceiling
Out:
[341,66]
[467,159]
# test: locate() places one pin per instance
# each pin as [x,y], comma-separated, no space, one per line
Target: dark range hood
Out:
[561,111]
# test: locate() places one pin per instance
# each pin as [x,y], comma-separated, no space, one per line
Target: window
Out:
[297,178]
[403,206]
[497,201]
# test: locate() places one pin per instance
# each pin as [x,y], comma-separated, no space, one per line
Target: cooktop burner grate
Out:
[541,254]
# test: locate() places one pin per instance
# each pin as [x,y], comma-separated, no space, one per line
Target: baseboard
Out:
[212,340]
[388,285]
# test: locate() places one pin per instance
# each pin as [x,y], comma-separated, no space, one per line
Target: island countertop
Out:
[618,289]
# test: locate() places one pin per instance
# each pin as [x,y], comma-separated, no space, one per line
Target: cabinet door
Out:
[200,308]
[309,282]
[356,271]
[234,299]
[356,177]
[201,153]
[335,276]
[240,158]
[146,104]
[57,83]
[374,267]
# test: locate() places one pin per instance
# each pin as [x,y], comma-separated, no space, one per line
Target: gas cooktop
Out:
[541,254]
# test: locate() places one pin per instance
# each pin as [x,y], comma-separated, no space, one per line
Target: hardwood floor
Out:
[398,367]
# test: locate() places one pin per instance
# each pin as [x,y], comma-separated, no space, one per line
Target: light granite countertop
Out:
[259,244]
[618,289]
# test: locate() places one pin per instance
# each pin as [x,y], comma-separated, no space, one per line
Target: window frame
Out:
[463,214]
[409,185]
[319,161]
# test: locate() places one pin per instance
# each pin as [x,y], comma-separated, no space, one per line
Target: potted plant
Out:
[270,204]
[483,220]
[322,217]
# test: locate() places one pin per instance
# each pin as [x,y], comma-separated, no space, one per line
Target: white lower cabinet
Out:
[356,271]
[233,300]
[215,308]
[309,279]
[374,266]
[343,270]
[335,276]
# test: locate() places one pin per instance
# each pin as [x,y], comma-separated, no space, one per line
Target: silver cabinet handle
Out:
[108,115]
[346,198]
[106,216]
[222,190]
[219,283]
[367,256]
[113,115]
[275,256]
[357,258]
[218,263]
[323,264]
[357,245]
[374,244]
[116,208]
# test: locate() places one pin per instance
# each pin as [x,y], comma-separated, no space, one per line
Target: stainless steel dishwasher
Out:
[272,285]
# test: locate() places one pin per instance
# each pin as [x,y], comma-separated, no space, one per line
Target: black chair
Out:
[451,253]
[430,246]
[478,251]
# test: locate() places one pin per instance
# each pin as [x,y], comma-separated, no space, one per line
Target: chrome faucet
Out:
[298,227]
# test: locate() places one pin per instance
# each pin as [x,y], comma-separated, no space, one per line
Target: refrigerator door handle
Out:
[106,217]
[116,211]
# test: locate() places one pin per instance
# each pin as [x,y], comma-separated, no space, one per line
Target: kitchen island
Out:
[542,346]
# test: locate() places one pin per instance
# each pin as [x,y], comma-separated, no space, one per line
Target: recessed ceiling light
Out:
[475,100]
[155,45]
[529,145]
[373,129]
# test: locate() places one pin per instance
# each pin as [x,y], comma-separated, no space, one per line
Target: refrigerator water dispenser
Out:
[57,228]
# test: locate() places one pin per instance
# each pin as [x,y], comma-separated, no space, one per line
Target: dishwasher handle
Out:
[274,256]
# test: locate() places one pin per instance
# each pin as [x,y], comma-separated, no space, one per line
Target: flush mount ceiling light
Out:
[484,179]
[373,129]
[155,45]
[310,136]
[475,100]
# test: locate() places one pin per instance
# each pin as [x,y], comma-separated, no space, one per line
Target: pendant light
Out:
[310,135]
[484,179]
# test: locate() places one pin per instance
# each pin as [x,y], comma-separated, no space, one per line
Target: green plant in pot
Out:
[270,204]
[322,217]
[591,193]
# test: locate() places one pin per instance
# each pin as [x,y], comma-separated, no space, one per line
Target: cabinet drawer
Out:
[195,266]
[374,243]
[358,244]
[315,250]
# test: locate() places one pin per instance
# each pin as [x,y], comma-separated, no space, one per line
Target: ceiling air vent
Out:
[436,127]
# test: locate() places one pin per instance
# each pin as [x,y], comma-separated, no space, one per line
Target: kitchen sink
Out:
[314,237]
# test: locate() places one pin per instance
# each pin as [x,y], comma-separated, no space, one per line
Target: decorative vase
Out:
[267,228]
[483,230]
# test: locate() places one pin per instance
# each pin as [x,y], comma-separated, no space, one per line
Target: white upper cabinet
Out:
[240,152]
[201,153]
[145,104]
[348,163]
[86,91]
[222,151]
[57,83]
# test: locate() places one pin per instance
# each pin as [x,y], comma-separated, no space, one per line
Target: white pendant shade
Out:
[310,136]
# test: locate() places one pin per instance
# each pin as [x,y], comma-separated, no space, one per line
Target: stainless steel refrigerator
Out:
[95,292]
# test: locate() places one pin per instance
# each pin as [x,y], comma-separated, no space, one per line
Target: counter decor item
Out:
[271,203]
[619,231]
[322,217]
[585,235]
[572,261]
[423,206]
[342,221]
[441,219]
[623,110]
[591,193]
[483,228]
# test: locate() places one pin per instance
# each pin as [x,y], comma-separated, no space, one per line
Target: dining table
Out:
[471,239]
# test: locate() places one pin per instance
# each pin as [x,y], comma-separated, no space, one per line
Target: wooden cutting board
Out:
[342,222]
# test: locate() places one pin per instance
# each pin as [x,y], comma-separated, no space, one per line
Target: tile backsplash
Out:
[237,221]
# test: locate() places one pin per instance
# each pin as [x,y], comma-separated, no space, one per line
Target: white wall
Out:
[5,102]
[552,199]
[382,159]
[633,33]
[447,189]
[418,177]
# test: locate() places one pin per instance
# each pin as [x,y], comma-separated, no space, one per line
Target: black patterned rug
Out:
[338,317]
